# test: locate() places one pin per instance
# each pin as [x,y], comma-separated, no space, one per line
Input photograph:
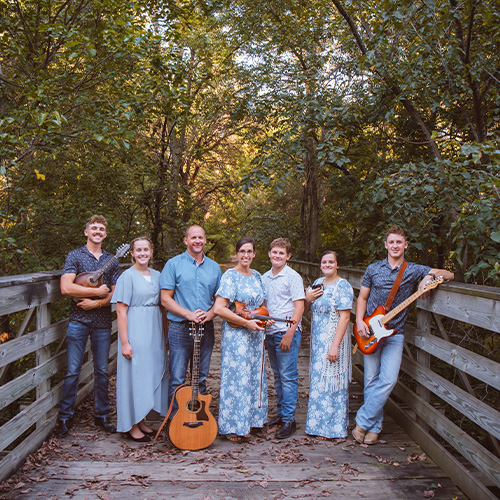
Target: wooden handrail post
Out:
[43,314]
[423,358]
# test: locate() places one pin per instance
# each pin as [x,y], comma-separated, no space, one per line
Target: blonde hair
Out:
[135,240]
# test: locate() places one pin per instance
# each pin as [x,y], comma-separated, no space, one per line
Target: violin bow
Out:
[262,365]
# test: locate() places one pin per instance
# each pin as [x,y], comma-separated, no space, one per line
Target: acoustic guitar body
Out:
[193,427]
[377,331]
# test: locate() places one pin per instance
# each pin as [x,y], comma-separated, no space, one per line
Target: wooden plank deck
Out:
[89,464]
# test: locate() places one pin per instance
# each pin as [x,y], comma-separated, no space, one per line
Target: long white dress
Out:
[141,382]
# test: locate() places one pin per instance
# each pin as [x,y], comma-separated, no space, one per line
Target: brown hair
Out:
[244,241]
[100,219]
[281,243]
[327,252]
[135,240]
[395,229]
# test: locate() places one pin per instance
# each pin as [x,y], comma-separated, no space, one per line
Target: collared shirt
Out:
[194,284]
[282,290]
[82,261]
[379,278]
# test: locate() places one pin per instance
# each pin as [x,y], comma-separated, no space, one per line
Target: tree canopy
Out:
[321,121]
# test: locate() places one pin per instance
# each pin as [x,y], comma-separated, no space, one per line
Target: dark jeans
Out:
[76,341]
[180,345]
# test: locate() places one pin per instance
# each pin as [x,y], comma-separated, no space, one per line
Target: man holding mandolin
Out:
[90,315]
[390,281]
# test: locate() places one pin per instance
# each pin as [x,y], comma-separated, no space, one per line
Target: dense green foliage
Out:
[323,121]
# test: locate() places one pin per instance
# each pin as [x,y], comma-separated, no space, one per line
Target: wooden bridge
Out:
[439,438]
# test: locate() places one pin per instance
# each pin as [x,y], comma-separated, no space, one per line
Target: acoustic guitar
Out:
[379,318]
[93,279]
[193,427]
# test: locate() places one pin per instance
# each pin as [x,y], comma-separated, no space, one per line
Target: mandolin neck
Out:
[102,270]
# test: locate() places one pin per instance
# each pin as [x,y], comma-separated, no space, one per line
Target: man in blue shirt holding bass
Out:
[188,284]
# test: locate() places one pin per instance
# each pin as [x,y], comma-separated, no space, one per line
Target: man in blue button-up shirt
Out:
[188,284]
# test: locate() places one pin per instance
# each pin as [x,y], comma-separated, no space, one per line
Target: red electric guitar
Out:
[379,318]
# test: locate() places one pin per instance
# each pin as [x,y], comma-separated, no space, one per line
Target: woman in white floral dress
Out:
[243,400]
[330,361]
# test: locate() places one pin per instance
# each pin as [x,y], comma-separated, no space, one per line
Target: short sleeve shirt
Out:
[194,284]
[82,261]
[282,290]
[379,278]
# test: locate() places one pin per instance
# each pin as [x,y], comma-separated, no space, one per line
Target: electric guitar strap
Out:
[395,287]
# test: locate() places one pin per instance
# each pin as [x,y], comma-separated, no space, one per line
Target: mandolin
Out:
[93,279]
[259,313]
[379,318]
[193,427]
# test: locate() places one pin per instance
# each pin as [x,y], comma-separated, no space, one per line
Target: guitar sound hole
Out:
[194,405]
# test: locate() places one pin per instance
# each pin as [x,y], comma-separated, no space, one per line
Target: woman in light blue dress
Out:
[243,386]
[142,375]
[330,299]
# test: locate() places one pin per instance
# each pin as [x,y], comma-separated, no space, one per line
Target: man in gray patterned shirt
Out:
[90,316]
[382,366]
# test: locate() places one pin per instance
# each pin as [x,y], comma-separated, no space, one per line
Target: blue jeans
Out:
[381,375]
[286,375]
[76,341]
[180,350]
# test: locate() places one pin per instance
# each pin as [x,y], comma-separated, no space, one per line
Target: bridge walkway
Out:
[89,464]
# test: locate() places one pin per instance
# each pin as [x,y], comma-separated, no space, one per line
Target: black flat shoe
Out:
[148,433]
[287,429]
[143,439]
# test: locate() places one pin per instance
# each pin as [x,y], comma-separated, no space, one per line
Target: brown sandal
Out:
[234,438]
[323,438]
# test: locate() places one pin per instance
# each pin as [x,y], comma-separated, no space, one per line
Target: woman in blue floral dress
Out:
[330,361]
[243,397]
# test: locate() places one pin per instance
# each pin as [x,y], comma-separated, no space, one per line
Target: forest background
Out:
[323,121]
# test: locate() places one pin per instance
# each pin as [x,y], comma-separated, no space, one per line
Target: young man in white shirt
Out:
[285,299]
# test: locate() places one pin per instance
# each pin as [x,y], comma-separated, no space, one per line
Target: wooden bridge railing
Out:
[424,397]
[29,402]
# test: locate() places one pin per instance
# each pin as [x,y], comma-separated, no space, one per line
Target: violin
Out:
[259,313]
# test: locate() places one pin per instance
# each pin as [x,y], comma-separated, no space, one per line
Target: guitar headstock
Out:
[122,250]
[196,330]
[433,283]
